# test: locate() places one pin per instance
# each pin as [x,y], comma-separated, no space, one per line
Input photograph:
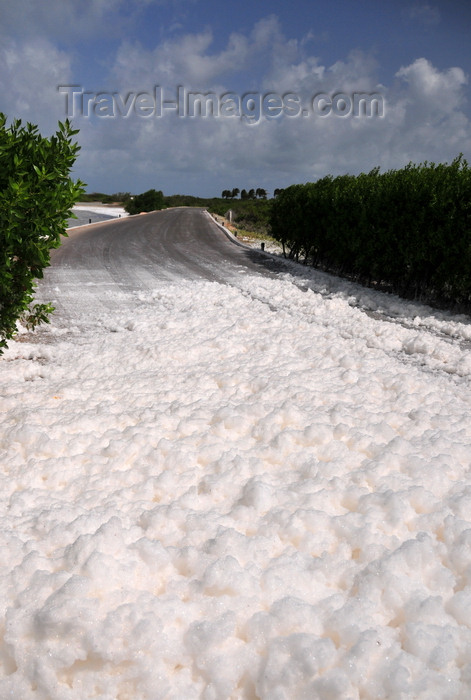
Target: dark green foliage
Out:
[250,214]
[120,197]
[151,200]
[405,230]
[188,200]
[36,200]
[251,194]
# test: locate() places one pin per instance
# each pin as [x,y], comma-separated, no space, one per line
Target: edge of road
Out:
[231,236]
[227,232]
[94,223]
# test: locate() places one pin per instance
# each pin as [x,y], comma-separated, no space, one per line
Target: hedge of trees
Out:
[408,230]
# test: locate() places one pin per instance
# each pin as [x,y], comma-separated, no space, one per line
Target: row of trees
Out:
[259,193]
[406,230]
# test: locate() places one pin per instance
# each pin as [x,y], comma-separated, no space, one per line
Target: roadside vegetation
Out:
[36,200]
[406,231]
[247,214]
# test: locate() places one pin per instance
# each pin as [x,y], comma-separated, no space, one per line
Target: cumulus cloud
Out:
[184,60]
[190,59]
[439,90]
[29,75]
[426,114]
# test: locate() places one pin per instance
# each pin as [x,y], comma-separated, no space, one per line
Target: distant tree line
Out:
[259,193]
[175,200]
[120,197]
[407,231]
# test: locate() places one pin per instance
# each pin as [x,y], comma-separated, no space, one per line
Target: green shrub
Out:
[151,200]
[36,200]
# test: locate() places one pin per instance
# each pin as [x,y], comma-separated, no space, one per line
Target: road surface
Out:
[141,252]
[103,268]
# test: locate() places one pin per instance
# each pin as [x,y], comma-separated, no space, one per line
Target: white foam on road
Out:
[218,492]
[101,209]
[86,214]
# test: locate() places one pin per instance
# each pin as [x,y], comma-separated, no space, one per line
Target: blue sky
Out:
[413,53]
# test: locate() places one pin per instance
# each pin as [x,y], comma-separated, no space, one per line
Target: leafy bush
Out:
[151,200]
[36,199]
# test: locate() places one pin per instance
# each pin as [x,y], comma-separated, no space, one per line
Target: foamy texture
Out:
[101,209]
[236,492]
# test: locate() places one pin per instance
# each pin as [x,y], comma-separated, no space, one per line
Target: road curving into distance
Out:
[95,263]
[102,272]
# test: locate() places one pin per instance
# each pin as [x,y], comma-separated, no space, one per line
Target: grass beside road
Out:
[252,238]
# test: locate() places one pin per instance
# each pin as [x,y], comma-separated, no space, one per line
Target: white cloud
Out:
[442,90]
[425,115]
[185,60]
[306,76]
[190,60]
[29,75]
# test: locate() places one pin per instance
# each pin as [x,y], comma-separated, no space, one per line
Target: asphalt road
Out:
[101,268]
[97,262]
